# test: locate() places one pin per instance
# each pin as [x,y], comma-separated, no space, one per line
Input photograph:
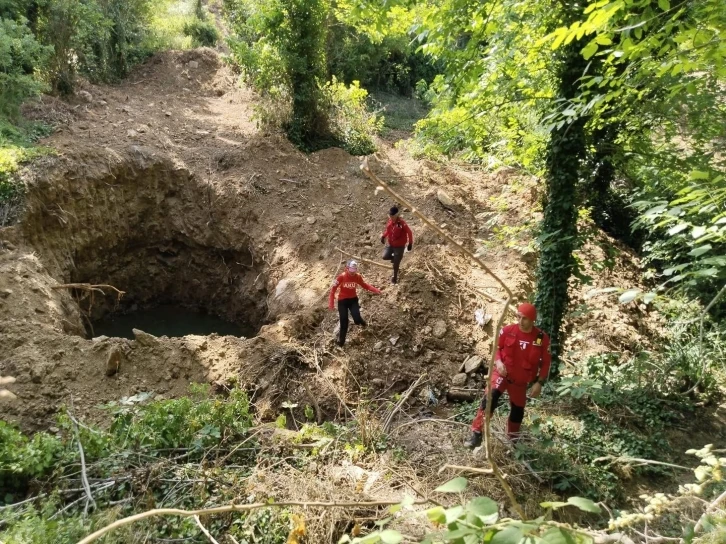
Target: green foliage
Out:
[21,56]
[23,458]
[192,422]
[166,438]
[16,147]
[283,43]
[350,122]
[167,23]
[661,83]
[202,33]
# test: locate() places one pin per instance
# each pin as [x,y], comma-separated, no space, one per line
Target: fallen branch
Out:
[628,460]
[96,288]
[367,171]
[400,403]
[204,530]
[510,296]
[468,469]
[230,508]
[84,475]
[364,260]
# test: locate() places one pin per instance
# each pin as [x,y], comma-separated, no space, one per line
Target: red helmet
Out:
[528,310]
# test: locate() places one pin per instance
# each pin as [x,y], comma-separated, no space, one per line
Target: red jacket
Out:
[526,355]
[397,233]
[348,284]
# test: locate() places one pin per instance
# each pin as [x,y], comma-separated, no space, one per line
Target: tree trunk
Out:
[565,151]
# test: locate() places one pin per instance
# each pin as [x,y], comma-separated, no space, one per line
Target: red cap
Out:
[528,310]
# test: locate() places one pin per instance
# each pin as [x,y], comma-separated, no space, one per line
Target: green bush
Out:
[350,122]
[23,458]
[191,422]
[203,33]
[21,56]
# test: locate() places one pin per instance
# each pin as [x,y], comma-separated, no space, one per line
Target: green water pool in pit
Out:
[168,320]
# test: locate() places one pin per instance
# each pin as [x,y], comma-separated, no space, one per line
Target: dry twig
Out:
[400,403]
[468,469]
[363,260]
[204,530]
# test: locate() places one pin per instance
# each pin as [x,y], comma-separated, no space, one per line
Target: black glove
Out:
[410,247]
[383,239]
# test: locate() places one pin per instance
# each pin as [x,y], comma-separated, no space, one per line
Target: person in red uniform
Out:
[523,357]
[399,234]
[348,283]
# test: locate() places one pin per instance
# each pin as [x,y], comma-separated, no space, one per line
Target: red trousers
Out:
[517,402]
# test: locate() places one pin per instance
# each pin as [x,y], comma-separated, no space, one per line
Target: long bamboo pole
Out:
[510,296]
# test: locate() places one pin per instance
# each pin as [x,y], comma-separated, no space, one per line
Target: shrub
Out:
[21,56]
[23,458]
[350,122]
[202,33]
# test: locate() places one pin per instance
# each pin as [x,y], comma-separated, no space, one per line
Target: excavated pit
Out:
[146,226]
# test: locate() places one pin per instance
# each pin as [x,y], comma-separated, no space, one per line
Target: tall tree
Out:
[565,151]
[302,35]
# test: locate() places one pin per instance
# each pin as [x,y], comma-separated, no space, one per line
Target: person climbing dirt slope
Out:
[398,234]
[523,356]
[348,283]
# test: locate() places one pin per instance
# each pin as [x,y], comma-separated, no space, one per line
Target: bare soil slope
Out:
[165,188]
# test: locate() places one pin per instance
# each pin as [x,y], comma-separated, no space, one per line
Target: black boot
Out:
[474,441]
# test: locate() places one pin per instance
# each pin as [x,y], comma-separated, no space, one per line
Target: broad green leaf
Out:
[450,536]
[697,174]
[457,485]
[389,536]
[589,50]
[436,514]
[454,513]
[558,536]
[395,508]
[372,538]
[649,297]
[665,5]
[584,504]
[510,535]
[678,228]
[697,252]
[629,296]
[697,232]
[482,506]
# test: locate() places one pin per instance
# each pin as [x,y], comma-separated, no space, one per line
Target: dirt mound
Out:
[165,188]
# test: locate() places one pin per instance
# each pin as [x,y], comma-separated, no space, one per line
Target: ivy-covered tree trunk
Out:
[304,53]
[565,151]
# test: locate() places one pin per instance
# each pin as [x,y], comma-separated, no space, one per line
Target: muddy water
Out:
[168,320]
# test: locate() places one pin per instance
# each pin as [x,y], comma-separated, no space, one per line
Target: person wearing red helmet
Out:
[523,357]
[398,234]
[348,283]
